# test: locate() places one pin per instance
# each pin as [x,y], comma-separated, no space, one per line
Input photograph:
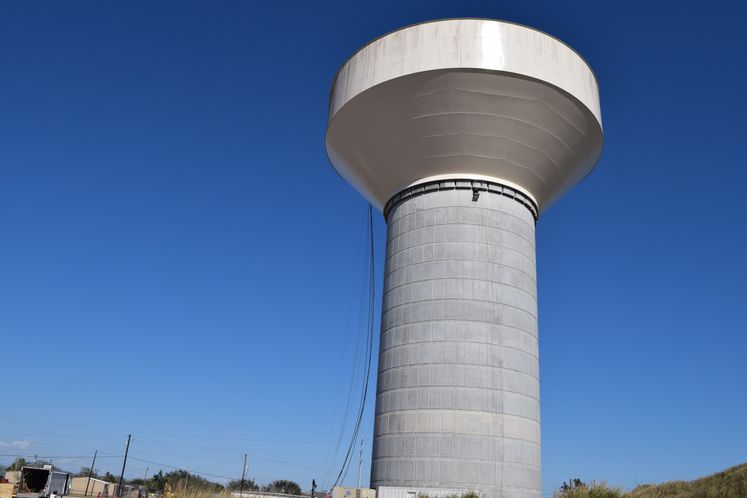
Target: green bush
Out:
[593,491]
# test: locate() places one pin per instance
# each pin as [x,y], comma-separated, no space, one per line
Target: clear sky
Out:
[179,261]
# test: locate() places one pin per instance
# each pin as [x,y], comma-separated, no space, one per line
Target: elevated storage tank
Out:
[462,132]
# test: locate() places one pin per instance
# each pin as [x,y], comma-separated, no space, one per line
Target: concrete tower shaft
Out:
[457,405]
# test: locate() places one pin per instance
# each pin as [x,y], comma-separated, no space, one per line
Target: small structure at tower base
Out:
[343,492]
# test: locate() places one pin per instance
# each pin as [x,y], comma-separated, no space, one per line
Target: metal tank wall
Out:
[457,404]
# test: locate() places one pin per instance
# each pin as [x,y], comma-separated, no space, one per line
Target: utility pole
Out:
[90,472]
[124,463]
[243,475]
[360,464]
[144,488]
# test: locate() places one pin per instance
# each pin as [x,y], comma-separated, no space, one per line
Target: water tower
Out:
[461,132]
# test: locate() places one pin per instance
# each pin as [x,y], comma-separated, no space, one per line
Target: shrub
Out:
[600,490]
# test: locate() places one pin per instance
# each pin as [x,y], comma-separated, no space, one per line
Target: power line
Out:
[369,349]
[357,353]
[42,457]
[191,435]
[142,460]
[174,467]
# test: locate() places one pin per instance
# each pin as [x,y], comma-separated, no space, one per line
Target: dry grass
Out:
[731,483]
[202,493]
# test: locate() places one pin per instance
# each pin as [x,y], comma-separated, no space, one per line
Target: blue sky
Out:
[179,261]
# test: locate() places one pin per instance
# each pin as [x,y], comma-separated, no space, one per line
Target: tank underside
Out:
[464,123]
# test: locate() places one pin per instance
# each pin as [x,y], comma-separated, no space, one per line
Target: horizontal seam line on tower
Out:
[536,341]
[384,370]
[467,299]
[426,433]
[461,459]
[391,329]
[443,341]
[410,282]
[459,223]
[497,246]
[401,268]
[418,388]
[440,320]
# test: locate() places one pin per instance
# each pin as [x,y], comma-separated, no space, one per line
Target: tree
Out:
[283,486]
[156,483]
[18,463]
[109,477]
[178,479]
[249,485]
[576,488]
[575,483]
[85,471]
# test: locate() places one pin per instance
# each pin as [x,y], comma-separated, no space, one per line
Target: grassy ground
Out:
[206,494]
[731,483]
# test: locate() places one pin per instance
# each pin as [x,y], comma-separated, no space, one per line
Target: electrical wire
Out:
[215,437]
[358,352]
[50,457]
[369,350]
[199,473]
[181,468]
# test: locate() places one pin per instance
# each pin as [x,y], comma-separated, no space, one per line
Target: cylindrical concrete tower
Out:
[462,132]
